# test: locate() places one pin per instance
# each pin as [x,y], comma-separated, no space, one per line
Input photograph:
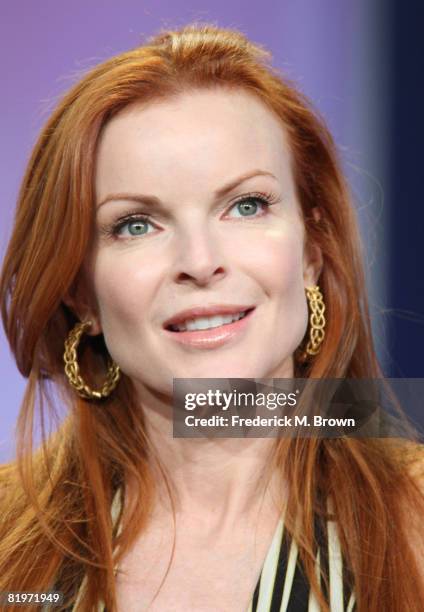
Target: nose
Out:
[200,259]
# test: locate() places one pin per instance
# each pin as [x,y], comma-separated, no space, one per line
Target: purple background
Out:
[339,52]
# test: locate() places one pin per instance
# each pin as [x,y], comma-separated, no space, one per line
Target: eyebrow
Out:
[154,201]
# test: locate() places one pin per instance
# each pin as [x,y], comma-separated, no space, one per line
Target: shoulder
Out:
[4,473]
[412,459]
[413,510]
[412,454]
[12,498]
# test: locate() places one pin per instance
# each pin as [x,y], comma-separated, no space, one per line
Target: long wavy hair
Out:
[55,500]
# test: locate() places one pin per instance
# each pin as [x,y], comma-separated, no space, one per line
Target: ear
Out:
[81,301]
[312,258]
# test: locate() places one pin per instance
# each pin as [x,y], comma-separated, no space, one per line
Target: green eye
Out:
[247,208]
[136,228]
[133,227]
[140,225]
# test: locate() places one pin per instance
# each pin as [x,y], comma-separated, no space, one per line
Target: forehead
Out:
[201,136]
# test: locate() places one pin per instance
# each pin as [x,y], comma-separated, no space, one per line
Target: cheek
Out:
[275,256]
[123,290]
[276,262]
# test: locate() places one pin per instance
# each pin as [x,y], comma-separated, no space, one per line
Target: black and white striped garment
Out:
[282,586]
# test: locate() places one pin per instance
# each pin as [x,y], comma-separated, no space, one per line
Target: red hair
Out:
[56,501]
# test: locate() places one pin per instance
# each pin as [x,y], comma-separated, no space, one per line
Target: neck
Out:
[213,480]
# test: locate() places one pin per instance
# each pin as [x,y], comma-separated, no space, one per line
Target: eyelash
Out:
[112,231]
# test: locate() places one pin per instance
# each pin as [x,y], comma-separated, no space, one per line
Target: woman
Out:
[181,181]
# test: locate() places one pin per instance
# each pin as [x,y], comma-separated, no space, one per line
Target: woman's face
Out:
[169,238]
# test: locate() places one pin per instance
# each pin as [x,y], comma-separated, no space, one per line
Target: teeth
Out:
[207,322]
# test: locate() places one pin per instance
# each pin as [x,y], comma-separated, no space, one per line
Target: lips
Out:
[215,337]
[208,311]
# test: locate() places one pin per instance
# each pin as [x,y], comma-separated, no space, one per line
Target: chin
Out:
[222,370]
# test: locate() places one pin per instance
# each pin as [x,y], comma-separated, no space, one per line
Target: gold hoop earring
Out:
[72,368]
[316,320]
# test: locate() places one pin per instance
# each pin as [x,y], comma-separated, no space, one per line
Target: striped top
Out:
[282,586]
